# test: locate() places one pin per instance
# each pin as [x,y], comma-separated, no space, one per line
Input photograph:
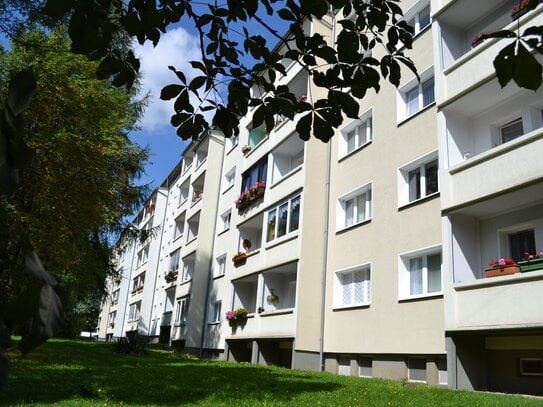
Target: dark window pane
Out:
[294,214]
[431,177]
[282,221]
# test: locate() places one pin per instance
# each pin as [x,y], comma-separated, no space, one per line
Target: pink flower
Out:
[501,262]
[231,315]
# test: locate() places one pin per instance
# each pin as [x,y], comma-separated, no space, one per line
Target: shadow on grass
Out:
[63,370]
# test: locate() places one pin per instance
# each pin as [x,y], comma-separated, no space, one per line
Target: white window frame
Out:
[215,312]
[404,273]
[184,192]
[181,310]
[339,287]
[229,179]
[138,281]
[414,15]
[226,220]
[187,163]
[414,86]
[343,205]
[288,226]
[403,178]
[179,227]
[187,275]
[411,369]
[362,131]
[233,142]
[175,259]
[134,311]
[220,266]
[510,124]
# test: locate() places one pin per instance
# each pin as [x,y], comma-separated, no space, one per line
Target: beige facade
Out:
[363,256]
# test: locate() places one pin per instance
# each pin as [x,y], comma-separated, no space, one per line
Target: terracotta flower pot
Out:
[502,270]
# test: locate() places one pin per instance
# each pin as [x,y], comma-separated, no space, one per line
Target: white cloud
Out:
[175,48]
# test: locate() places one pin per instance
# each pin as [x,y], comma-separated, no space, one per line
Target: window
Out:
[187,162]
[356,135]
[215,312]
[220,266]
[193,225]
[143,254]
[111,318]
[181,311]
[352,287]
[256,135]
[287,156]
[354,208]
[521,242]
[511,130]
[416,370]
[232,142]
[179,226]
[115,296]
[418,179]
[365,366]
[531,367]
[225,221]
[442,370]
[137,282]
[183,192]
[188,268]
[344,366]
[415,96]
[283,219]
[257,173]
[134,311]
[420,273]
[420,20]
[229,178]
[174,261]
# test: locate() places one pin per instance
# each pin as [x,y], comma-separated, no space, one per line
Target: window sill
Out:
[191,240]
[356,150]
[283,239]
[214,323]
[287,175]
[351,307]
[253,149]
[200,164]
[228,188]
[421,297]
[185,281]
[419,201]
[232,149]
[182,202]
[277,312]
[338,231]
[417,113]
[176,238]
[222,232]
[218,276]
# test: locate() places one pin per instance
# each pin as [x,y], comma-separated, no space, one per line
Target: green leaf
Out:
[170,91]
[527,70]
[197,83]
[504,64]
[57,8]
[303,127]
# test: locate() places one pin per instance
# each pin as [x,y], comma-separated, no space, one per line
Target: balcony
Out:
[280,324]
[466,66]
[506,302]
[504,176]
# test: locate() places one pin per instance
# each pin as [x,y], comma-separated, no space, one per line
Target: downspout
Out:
[158,258]
[325,235]
[210,268]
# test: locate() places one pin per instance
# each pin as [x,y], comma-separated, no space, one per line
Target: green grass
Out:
[77,373]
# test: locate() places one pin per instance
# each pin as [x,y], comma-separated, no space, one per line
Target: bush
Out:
[132,344]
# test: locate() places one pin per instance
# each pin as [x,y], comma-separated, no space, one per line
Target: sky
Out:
[176,47]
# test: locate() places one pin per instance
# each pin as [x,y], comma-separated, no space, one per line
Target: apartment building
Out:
[364,256]
[490,146]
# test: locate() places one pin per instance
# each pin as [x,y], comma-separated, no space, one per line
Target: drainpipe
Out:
[326,227]
[158,259]
[210,268]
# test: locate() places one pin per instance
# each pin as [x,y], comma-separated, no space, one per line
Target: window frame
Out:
[220,266]
[181,309]
[414,14]
[134,311]
[261,168]
[229,179]
[215,316]
[365,120]
[289,230]
[339,291]
[341,207]
[411,86]
[404,273]
[226,221]
[178,232]
[404,198]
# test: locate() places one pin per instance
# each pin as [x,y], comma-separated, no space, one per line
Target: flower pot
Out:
[239,259]
[531,265]
[502,271]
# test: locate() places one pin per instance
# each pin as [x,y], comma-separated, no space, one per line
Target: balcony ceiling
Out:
[515,200]
[465,13]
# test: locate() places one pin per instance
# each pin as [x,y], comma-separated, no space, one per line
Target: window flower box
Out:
[531,262]
[478,39]
[502,267]
[250,196]
[518,10]
[171,276]
[237,317]
[239,258]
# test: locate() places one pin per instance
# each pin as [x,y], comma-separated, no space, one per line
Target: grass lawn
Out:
[77,373]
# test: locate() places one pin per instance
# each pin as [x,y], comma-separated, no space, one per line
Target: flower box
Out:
[171,276]
[237,317]
[239,258]
[254,193]
[531,265]
[502,270]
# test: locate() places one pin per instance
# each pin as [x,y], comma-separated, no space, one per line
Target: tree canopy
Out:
[74,168]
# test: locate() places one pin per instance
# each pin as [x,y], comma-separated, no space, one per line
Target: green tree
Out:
[78,184]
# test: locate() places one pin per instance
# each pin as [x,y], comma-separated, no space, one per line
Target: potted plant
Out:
[519,9]
[272,298]
[502,267]
[251,195]
[171,276]
[237,316]
[246,149]
[239,258]
[531,262]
